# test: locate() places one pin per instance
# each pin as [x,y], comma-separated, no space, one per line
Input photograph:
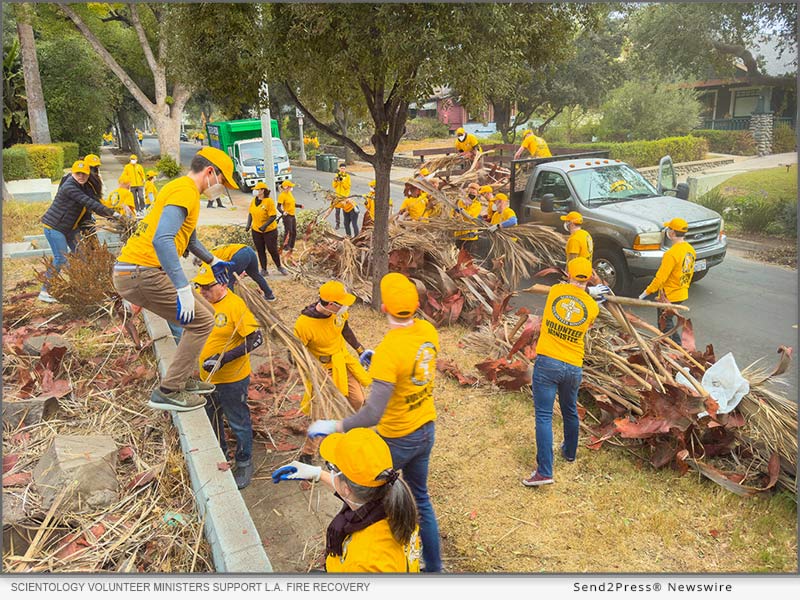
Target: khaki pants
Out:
[153,290]
[355,396]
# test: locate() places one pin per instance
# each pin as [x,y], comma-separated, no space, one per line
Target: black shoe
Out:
[564,455]
[270,298]
[243,474]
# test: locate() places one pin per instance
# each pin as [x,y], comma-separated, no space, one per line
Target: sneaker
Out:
[195,386]
[564,455]
[536,480]
[177,401]
[282,271]
[243,474]
[44,296]
[263,272]
[270,298]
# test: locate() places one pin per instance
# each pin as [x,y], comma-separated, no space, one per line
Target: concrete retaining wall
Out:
[686,168]
[235,544]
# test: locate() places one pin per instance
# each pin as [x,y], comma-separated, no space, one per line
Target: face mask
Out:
[566,226]
[471,196]
[352,504]
[133,162]
[342,310]
[216,190]
[255,193]
[461,138]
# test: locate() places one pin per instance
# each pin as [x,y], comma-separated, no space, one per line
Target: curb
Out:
[235,544]
[748,245]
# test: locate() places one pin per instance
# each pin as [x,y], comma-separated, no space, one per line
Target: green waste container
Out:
[330,162]
[321,163]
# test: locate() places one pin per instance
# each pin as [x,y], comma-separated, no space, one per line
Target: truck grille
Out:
[703,233]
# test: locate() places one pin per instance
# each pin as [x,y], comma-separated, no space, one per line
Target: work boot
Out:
[243,473]
[195,386]
[270,298]
[177,401]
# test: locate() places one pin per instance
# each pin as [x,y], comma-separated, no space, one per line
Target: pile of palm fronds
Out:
[124,226]
[643,391]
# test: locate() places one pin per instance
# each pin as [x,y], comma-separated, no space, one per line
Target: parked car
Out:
[184,137]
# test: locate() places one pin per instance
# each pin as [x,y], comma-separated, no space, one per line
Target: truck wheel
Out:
[698,276]
[242,185]
[611,267]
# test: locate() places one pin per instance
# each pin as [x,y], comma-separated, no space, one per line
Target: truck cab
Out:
[248,162]
[623,212]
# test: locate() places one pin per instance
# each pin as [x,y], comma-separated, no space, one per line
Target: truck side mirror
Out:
[682,191]
[547,203]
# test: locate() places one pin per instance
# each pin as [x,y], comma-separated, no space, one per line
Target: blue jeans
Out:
[551,375]
[246,261]
[411,454]
[351,223]
[230,399]
[60,244]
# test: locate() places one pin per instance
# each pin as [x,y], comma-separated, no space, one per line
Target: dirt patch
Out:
[785,257]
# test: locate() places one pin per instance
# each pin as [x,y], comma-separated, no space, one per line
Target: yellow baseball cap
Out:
[485,189]
[260,186]
[460,130]
[333,291]
[134,157]
[527,132]
[424,172]
[92,160]
[287,183]
[501,197]
[205,276]
[372,183]
[151,173]
[80,166]
[579,268]
[399,295]
[222,161]
[124,179]
[677,224]
[573,217]
[361,454]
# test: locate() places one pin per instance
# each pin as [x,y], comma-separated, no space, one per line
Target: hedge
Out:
[647,153]
[70,152]
[16,164]
[47,160]
[728,142]
[783,139]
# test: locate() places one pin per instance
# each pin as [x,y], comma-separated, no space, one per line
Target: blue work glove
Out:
[210,363]
[185,312]
[223,270]
[365,358]
[296,470]
[321,428]
[598,291]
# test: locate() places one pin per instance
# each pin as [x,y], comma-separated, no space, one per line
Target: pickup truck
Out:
[622,211]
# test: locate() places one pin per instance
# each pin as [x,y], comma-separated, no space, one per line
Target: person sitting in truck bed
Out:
[534,144]
[504,216]
[466,144]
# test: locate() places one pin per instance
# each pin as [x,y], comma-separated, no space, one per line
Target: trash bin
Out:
[333,163]
[321,164]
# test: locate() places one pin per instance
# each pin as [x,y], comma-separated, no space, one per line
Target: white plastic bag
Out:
[724,383]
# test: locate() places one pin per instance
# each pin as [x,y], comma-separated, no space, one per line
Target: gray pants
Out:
[138,196]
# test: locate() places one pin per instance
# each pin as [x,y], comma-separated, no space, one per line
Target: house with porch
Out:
[444,105]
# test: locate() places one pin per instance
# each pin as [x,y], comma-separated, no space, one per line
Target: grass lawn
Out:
[21,219]
[773,184]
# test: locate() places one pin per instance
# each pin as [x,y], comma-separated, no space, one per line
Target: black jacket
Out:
[71,203]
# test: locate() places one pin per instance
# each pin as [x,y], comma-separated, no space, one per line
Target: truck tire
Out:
[610,265]
[240,182]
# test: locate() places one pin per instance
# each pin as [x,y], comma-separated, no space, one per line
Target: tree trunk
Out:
[37,113]
[540,130]
[380,232]
[127,132]
[340,116]
[502,118]
[169,131]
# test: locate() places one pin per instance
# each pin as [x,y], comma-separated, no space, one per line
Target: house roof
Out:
[713,83]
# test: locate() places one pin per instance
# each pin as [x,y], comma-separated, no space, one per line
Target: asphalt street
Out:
[742,306]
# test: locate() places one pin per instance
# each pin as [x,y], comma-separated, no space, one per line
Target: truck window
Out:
[610,183]
[550,182]
[253,152]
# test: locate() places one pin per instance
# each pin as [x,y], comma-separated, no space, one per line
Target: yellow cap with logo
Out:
[399,295]
[333,291]
[360,454]
[579,268]
[287,184]
[677,224]
[92,160]
[222,161]
[573,217]
[134,157]
[501,197]
[205,276]
[260,186]
[485,189]
[80,166]
[151,173]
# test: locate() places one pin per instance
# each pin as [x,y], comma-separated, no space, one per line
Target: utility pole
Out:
[302,142]
[266,136]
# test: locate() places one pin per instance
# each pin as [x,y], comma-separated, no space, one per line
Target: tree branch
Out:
[109,61]
[754,74]
[157,70]
[370,158]
[544,125]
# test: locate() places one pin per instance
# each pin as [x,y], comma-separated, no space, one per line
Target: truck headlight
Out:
[648,241]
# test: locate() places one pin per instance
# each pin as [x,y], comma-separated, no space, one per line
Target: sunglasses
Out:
[331,467]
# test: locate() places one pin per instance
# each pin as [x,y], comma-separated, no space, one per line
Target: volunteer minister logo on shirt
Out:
[569,310]
[424,364]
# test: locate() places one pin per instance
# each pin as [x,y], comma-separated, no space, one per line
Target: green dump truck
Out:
[241,140]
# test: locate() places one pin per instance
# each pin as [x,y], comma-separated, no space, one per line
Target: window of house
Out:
[744,102]
[707,101]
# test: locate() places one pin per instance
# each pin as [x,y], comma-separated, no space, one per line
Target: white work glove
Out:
[643,295]
[296,470]
[494,227]
[596,291]
[185,313]
[321,428]
[116,215]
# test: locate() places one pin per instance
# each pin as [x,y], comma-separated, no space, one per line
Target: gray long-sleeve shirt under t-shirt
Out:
[373,409]
[172,217]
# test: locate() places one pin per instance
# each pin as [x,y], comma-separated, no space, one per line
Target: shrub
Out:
[783,139]
[786,218]
[70,152]
[425,127]
[728,142]
[47,160]
[168,167]
[716,201]
[16,164]
[647,153]
[757,213]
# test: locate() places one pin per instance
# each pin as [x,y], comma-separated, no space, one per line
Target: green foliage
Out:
[786,218]
[728,142]
[16,164]
[756,213]
[783,139]
[71,152]
[47,160]
[647,153]
[648,111]
[15,106]
[426,127]
[716,201]
[168,167]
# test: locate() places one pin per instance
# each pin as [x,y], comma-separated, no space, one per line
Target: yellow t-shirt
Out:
[369,203]
[262,213]
[374,550]
[415,206]
[346,204]
[135,173]
[322,337]
[233,322]
[120,198]
[468,144]
[406,357]
[226,251]
[502,217]
[580,243]
[150,192]
[183,192]
[568,314]
[342,187]
[675,274]
[473,209]
[287,200]
[536,146]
